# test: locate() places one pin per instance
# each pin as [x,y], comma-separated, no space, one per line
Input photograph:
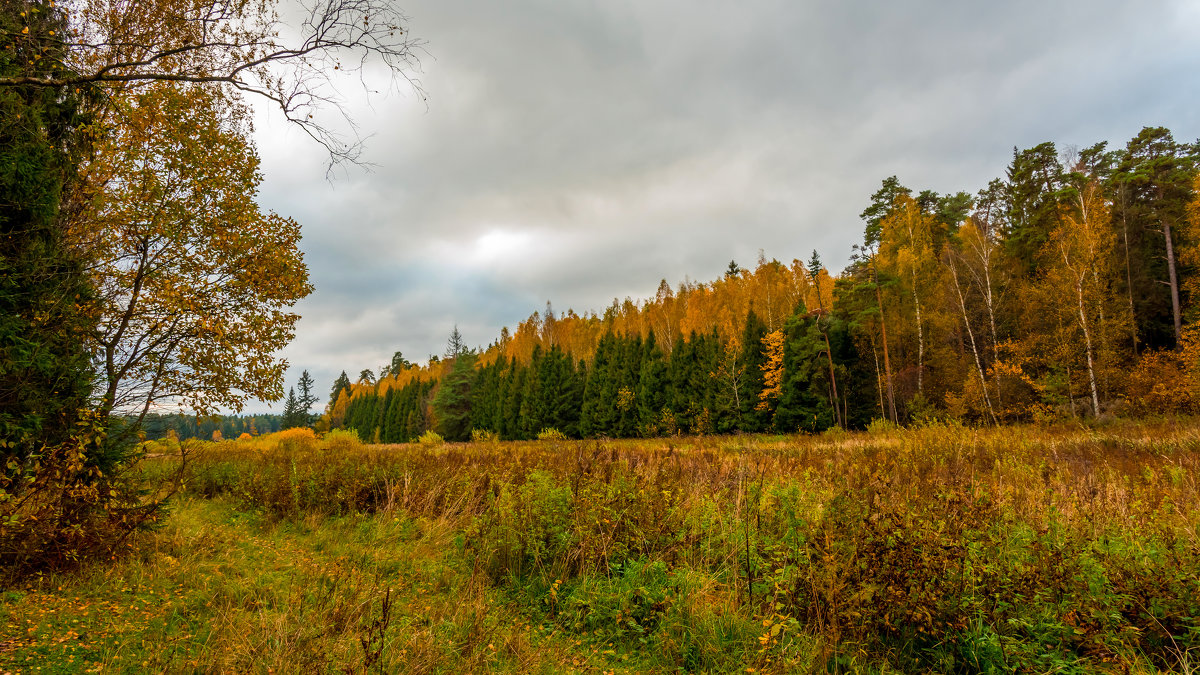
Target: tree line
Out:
[1063,289]
[212,427]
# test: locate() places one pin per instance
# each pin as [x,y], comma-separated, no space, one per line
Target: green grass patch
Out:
[222,590]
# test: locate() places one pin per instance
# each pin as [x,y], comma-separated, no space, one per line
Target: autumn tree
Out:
[202,57]
[772,369]
[1081,245]
[906,243]
[979,242]
[955,259]
[342,383]
[882,206]
[63,496]
[195,281]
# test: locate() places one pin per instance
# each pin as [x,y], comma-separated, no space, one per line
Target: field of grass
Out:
[936,549]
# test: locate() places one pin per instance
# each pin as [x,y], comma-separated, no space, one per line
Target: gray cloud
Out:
[580,151]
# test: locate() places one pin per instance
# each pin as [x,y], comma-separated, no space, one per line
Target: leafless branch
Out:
[242,46]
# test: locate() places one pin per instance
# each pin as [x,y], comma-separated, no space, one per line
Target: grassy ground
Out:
[941,549]
[218,590]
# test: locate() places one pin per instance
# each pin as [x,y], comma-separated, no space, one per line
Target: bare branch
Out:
[241,46]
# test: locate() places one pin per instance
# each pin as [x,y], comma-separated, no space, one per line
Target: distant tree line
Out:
[212,427]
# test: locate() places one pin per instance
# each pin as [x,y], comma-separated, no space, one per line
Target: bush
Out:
[835,433]
[58,507]
[484,436]
[295,439]
[881,426]
[341,440]
[1167,381]
[431,438]
[551,434]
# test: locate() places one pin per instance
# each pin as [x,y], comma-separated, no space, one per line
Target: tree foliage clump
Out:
[196,282]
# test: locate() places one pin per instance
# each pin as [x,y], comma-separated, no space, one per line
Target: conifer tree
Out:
[452,402]
[752,419]
[653,386]
[45,372]
[342,383]
[1154,179]
[306,400]
[805,398]
[291,410]
[1033,193]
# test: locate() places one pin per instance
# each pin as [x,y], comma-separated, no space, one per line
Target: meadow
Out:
[939,548]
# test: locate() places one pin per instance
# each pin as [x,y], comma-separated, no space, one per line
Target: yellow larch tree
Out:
[772,369]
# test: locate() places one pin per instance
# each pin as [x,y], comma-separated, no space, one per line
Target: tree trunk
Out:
[1129,276]
[878,378]
[837,413]
[887,365]
[1173,280]
[920,338]
[1087,340]
[970,333]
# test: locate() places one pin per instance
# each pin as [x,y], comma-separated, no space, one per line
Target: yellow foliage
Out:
[1019,397]
[294,434]
[174,230]
[298,438]
[1168,381]
[772,369]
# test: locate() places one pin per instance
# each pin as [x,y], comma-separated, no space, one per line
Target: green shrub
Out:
[341,440]
[835,433]
[431,438]
[881,426]
[484,436]
[551,434]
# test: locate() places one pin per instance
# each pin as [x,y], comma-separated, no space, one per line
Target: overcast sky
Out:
[579,151]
